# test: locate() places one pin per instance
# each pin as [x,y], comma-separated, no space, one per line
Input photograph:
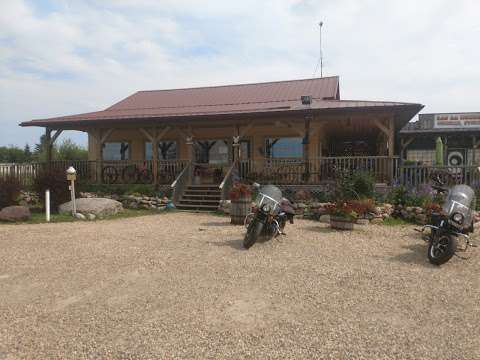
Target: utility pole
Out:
[320,24]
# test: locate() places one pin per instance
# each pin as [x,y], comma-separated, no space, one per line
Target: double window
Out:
[167,150]
[288,147]
[116,151]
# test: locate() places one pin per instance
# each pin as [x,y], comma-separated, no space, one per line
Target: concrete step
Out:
[202,197]
[202,192]
[198,207]
[201,202]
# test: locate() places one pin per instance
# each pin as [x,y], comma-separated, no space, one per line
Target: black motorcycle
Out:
[270,216]
[454,221]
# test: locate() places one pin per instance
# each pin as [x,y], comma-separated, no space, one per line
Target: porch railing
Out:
[227,183]
[416,176]
[279,171]
[181,181]
[300,171]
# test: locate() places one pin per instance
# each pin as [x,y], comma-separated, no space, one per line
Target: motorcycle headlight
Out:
[267,208]
[458,218]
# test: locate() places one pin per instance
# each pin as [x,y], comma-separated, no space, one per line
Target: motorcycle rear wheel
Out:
[253,233]
[442,249]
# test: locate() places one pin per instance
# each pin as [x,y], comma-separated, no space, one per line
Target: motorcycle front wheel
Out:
[253,233]
[441,249]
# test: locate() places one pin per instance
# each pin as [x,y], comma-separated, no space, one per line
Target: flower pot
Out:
[340,223]
[239,209]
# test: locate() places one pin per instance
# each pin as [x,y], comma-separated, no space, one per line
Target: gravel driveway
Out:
[180,285]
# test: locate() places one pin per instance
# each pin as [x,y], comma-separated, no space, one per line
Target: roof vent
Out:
[306,99]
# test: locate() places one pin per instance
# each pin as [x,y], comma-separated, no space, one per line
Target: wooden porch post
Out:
[155,156]
[101,138]
[403,147]
[306,146]
[474,147]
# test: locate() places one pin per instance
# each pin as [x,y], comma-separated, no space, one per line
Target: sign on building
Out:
[465,120]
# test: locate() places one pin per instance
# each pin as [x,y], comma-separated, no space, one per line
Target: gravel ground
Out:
[180,285]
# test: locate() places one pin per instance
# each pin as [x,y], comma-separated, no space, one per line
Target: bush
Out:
[402,196]
[55,180]
[356,185]
[363,207]
[138,189]
[9,191]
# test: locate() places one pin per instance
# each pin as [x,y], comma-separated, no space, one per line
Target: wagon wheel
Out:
[441,177]
[145,176]
[109,175]
[130,174]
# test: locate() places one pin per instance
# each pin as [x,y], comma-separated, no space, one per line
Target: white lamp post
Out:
[72,176]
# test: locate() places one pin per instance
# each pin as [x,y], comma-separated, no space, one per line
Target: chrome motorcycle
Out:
[270,216]
[453,222]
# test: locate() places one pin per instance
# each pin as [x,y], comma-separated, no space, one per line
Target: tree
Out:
[27,153]
[68,150]
[40,150]
[11,154]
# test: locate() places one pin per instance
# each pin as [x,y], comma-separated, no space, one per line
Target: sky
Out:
[61,57]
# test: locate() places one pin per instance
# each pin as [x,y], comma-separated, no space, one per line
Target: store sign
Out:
[466,120]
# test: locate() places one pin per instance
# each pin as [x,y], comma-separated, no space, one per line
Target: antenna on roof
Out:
[320,58]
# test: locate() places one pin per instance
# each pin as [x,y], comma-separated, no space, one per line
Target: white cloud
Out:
[83,56]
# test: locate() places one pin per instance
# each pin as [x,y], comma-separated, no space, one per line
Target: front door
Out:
[212,158]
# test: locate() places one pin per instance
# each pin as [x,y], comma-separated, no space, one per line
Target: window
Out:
[116,151]
[167,150]
[284,147]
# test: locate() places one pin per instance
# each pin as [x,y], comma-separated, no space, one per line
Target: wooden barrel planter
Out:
[239,209]
[340,223]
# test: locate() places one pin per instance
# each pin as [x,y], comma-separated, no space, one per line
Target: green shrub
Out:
[54,180]
[9,191]
[356,185]
[137,189]
[400,195]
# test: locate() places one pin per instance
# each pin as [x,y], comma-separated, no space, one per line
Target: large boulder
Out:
[100,207]
[15,213]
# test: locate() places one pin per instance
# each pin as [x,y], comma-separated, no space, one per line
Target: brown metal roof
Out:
[216,100]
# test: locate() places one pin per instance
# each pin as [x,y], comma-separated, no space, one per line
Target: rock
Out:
[325,219]
[303,195]
[100,207]
[418,210]
[80,216]
[376,221]
[15,213]
[421,219]
[91,217]
[363,221]
[301,206]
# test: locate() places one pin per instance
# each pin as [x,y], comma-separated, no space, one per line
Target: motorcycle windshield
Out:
[460,198]
[269,194]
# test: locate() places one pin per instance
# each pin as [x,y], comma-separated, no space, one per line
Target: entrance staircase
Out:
[200,198]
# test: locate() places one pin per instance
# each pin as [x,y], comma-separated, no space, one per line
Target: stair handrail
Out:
[179,183]
[226,184]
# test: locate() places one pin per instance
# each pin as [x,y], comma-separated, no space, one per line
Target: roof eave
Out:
[407,110]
